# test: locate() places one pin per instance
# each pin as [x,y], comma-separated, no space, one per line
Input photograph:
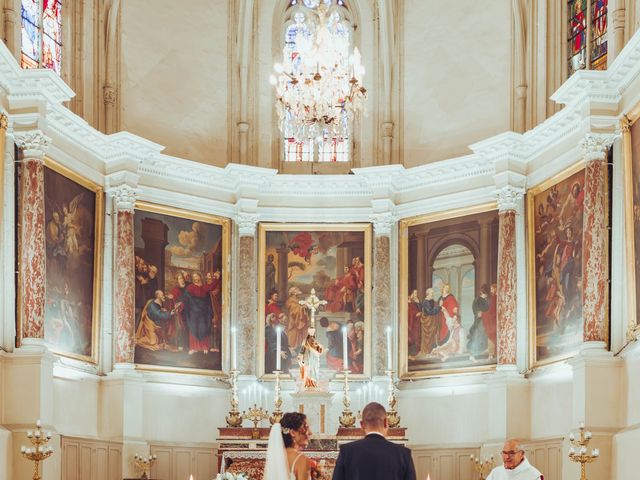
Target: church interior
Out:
[216,211]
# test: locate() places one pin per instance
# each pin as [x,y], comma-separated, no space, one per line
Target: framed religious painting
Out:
[447,298]
[73,213]
[314,300]
[181,289]
[554,231]
[631,145]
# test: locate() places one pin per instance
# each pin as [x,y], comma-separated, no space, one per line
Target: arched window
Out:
[587,35]
[41,34]
[297,29]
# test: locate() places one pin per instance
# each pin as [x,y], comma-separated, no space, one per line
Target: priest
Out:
[515,465]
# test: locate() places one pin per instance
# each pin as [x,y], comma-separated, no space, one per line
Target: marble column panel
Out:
[32,242]
[247,317]
[506,301]
[595,258]
[381,301]
[125,288]
[124,275]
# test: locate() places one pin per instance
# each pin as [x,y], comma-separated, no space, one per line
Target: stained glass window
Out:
[587,34]
[42,34]
[329,149]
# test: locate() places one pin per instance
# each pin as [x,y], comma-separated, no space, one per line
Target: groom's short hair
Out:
[374,415]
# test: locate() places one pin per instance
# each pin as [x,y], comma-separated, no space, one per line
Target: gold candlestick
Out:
[392,414]
[143,464]
[276,416]
[482,467]
[234,419]
[347,419]
[255,414]
[578,450]
[40,451]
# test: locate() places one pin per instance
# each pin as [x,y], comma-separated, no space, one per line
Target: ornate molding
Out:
[383,223]
[247,223]
[508,197]
[109,95]
[594,146]
[33,144]
[124,198]
[4,122]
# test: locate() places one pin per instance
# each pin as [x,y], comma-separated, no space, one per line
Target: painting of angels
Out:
[449,293]
[331,262]
[73,209]
[181,286]
[555,218]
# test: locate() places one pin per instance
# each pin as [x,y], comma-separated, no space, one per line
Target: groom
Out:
[374,457]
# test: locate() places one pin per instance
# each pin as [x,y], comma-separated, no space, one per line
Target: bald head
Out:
[512,453]
[374,418]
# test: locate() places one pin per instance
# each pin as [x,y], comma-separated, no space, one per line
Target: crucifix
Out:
[313,303]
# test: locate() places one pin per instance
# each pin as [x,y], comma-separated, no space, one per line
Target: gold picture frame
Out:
[403,293]
[629,122]
[98,217]
[555,181]
[179,216]
[334,230]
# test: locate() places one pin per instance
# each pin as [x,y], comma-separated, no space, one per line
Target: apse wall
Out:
[115,404]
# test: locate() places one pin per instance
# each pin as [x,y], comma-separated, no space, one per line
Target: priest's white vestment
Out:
[524,471]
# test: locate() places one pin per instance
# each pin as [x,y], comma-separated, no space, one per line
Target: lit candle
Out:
[345,350]
[234,348]
[572,437]
[581,425]
[389,362]
[38,424]
[278,345]
[595,452]
[428,476]
[190,477]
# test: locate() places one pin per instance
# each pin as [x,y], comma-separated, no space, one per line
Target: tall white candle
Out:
[278,346]
[345,351]
[234,349]
[389,361]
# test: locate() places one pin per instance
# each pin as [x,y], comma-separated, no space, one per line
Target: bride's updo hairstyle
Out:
[291,421]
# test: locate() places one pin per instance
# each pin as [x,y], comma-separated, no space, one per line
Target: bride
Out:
[287,438]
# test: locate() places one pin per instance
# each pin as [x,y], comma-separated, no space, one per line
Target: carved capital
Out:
[383,223]
[124,198]
[4,121]
[243,127]
[247,223]
[33,144]
[594,147]
[508,197]
[109,95]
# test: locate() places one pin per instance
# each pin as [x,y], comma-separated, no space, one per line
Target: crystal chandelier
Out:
[319,83]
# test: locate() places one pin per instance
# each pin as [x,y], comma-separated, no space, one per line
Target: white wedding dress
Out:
[276,466]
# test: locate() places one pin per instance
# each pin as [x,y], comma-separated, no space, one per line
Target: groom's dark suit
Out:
[374,458]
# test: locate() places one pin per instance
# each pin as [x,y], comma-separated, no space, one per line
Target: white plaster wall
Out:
[183,413]
[551,405]
[174,76]
[455,79]
[76,407]
[445,415]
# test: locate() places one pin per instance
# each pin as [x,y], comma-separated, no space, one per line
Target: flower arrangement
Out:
[231,476]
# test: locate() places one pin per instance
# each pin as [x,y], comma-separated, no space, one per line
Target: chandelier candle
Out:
[389,360]
[278,346]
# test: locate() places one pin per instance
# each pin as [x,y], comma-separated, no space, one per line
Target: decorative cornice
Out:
[595,146]
[124,197]
[383,223]
[508,197]
[32,143]
[247,223]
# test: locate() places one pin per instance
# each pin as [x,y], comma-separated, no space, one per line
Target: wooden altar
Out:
[243,450]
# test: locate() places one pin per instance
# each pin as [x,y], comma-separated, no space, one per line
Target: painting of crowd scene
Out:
[448,312]
[71,262]
[555,228]
[179,290]
[335,264]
